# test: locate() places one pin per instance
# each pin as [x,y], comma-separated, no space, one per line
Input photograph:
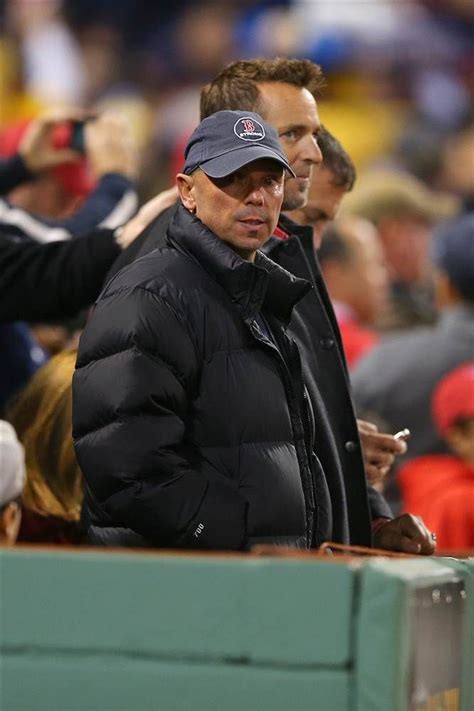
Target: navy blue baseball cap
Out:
[228,140]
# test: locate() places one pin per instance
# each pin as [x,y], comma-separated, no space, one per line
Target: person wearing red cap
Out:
[440,487]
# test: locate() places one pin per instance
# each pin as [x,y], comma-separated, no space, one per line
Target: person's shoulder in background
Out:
[151,237]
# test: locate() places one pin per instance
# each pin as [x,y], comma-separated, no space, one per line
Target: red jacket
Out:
[357,339]
[440,489]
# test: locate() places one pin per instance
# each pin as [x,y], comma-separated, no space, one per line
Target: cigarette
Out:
[403,434]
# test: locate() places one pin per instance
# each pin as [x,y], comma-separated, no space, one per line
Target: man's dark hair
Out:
[336,160]
[236,87]
[334,247]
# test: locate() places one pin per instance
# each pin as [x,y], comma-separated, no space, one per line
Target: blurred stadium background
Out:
[400,73]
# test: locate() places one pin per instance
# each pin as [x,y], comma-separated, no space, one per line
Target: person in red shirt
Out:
[440,487]
[354,270]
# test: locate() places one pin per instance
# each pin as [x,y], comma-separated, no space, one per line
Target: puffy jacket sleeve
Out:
[136,374]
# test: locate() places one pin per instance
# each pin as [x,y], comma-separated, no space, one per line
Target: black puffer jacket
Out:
[190,425]
[314,326]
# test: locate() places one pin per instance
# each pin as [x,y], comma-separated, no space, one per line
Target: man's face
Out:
[323,203]
[362,282]
[241,209]
[406,241]
[292,111]
[460,438]
[45,196]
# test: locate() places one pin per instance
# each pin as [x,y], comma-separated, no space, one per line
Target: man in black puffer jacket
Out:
[192,423]
[193,413]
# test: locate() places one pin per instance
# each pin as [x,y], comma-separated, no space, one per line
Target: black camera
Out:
[77,140]
[70,134]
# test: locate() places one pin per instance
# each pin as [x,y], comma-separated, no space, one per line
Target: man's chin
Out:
[294,199]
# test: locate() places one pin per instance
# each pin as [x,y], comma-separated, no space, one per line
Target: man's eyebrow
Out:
[292,127]
[298,127]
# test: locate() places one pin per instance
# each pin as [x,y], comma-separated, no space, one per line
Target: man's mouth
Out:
[252,225]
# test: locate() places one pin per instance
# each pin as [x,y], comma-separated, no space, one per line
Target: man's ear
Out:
[185,184]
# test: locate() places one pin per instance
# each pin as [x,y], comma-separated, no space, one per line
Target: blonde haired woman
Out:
[41,415]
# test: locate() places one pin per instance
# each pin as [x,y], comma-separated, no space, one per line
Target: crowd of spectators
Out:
[392,214]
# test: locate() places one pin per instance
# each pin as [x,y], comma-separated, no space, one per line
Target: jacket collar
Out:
[253,286]
[304,232]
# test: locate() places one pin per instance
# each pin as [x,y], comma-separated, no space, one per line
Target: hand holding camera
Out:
[40,148]
[109,146]
[67,136]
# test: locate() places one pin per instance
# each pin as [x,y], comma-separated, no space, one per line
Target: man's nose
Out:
[256,195]
[311,152]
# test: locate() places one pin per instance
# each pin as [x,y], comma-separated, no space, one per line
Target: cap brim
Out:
[229,162]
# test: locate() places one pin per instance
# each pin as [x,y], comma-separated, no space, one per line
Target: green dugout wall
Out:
[93,630]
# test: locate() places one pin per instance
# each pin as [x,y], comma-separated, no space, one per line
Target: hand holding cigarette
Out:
[379,450]
[403,434]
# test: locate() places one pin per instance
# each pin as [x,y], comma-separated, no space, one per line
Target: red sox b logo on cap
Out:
[248,129]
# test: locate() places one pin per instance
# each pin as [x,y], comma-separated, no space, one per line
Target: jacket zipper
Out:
[304,463]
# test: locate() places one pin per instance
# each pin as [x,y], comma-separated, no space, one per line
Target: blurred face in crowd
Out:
[46,197]
[460,438]
[323,203]
[292,111]
[457,175]
[242,209]
[406,242]
[361,281]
